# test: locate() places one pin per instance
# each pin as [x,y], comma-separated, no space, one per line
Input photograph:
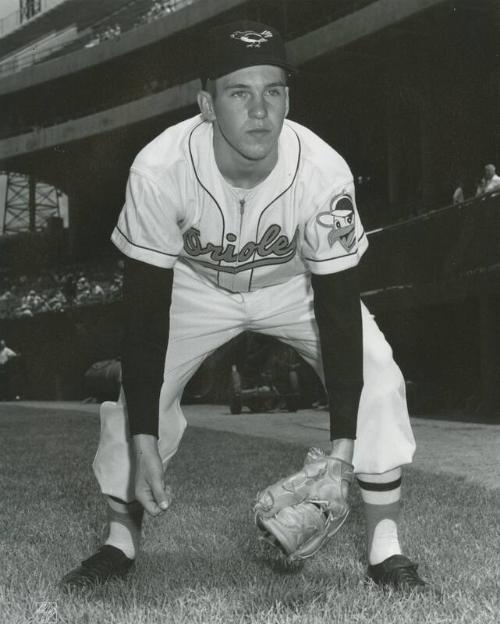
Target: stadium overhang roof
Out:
[375,17]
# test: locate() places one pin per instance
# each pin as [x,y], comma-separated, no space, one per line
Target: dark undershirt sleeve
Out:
[337,308]
[147,293]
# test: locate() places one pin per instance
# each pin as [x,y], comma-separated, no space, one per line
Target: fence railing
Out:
[32,56]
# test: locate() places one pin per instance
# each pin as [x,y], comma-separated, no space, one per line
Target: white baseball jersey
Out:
[301,218]
[232,243]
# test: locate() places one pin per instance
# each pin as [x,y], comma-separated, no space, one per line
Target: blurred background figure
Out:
[490,183]
[458,194]
[7,357]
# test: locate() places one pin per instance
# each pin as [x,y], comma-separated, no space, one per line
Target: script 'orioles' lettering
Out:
[272,242]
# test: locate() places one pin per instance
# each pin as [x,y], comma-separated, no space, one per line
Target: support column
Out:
[76,212]
[32,202]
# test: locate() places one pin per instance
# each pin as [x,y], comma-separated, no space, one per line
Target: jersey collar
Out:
[202,158]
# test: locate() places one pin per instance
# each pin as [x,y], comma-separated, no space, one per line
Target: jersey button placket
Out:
[241,212]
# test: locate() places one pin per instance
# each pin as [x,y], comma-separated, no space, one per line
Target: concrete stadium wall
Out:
[58,349]
[437,347]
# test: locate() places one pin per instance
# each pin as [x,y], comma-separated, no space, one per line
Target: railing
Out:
[452,242]
[18,18]
[34,53]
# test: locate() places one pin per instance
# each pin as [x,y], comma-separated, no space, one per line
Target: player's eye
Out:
[238,94]
[337,224]
[349,219]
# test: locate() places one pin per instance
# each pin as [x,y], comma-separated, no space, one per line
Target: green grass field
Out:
[202,562]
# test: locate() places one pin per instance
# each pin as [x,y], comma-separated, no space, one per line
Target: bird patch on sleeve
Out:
[340,220]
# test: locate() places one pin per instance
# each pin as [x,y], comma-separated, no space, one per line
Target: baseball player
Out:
[239,219]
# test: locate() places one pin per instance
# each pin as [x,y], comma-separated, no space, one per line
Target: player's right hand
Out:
[150,488]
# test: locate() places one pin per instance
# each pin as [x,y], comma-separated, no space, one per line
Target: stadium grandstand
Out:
[407,91]
[65,25]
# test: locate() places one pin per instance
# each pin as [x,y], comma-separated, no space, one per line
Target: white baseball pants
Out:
[204,317]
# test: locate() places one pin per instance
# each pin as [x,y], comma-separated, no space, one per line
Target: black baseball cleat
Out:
[399,573]
[107,563]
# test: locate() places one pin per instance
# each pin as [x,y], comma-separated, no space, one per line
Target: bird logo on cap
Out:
[251,38]
[340,220]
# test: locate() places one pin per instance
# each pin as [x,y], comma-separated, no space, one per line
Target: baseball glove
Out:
[299,513]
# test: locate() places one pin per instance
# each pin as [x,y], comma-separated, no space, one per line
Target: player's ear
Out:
[287,101]
[206,105]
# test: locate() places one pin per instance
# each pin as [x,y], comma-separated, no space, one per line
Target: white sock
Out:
[384,542]
[124,522]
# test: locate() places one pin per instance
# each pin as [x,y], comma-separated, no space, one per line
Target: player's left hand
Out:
[299,513]
[150,488]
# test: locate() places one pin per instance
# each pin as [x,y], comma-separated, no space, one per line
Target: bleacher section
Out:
[37,51]
[60,290]
[56,15]
[91,27]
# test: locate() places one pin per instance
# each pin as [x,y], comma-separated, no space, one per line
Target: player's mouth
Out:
[259,132]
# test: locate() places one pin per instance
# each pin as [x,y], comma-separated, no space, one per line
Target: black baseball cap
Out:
[229,47]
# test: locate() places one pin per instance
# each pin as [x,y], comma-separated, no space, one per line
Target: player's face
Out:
[249,108]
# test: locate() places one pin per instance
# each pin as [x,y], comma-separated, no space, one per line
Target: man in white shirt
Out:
[490,183]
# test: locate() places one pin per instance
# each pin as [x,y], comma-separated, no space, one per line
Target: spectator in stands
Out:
[69,287]
[116,287]
[82,284]
[58,302]
[6,295]
[98,292]
[490,183]
[458,194]
[38,303]
[23,310]
[23,296]
[112,32]
[6,353]
[29,299]
[158,9]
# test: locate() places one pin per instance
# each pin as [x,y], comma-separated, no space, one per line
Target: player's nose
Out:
[258,108]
